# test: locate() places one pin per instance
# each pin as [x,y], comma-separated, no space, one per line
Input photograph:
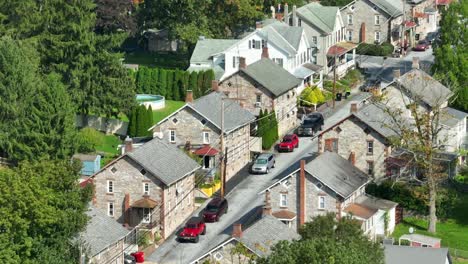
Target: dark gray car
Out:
[263,163]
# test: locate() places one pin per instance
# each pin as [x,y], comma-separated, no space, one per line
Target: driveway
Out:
[244,200]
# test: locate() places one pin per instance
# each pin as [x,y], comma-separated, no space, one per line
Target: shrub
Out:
[384,49]
[143,239]
[88,138]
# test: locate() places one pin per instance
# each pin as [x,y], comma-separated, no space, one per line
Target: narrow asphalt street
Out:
[244,199]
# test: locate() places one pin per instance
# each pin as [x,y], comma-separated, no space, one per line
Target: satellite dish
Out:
[411,230]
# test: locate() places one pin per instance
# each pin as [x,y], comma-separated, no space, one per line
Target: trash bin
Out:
[139,256]
[338,97]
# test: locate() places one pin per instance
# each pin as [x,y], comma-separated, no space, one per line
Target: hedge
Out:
[267,128]
[141,119]
[384,49]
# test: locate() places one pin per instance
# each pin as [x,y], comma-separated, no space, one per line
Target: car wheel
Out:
[217,219]
[274,164]
[204,231]
[297,146]
[197,238]
[267,171]
[226,210]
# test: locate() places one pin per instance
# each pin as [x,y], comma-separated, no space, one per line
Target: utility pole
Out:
[223,154]
[334,82]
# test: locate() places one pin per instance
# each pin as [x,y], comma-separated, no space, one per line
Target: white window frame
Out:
[349,35]
[349,19]
[146,216]
[321,199]
[314,40]
[377,19]
[146,188]
[235,61]
[110,209]
[206,137]
[377,36]
[283,200]
[110,186]
[258,98]
[172,136]
[370,147]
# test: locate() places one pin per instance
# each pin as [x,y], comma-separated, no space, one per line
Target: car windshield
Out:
[212,208]
[309,121]
[261,161]
[288,139]
[192,225]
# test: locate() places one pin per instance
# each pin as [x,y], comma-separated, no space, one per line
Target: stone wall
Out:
[103,124]
[352,137]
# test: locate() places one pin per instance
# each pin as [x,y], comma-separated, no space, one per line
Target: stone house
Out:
[425,14]
[152,187]
[329,184]
[265,85]
[373,21]
[257,238]
[197,126]
[287,46]
[324,28]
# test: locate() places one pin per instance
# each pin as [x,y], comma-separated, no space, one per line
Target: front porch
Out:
[208,155]
[342,57]
[311,74]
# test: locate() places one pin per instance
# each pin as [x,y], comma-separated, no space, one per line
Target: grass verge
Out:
[171,107]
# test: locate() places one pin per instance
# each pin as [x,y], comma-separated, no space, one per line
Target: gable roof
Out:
[205,48]
[451,117]
[101,231]
[411,255]
[391,7]
[336,173]
[423,86]
[265,233]
[322,17]
[374,116]
[291,34]
[163,160]
[273,77]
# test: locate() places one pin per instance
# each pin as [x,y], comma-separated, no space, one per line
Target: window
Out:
[350,19]
[377,36]
[283,200]
[146,190]
[377,19]
[172,136]
[278,61]
[110,186]
[370,147]
[263,43]
[174,120]
[143,171]
[259,98]
[114,170]
[314,40]
[188,199]
[206,137]
[110,209]
[235,61]
[321,202]
[370,167]
[255,44]
[331,144]
[349,35]
[146,215]
[203,121]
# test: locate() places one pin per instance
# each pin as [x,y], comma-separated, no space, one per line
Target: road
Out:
[244,198]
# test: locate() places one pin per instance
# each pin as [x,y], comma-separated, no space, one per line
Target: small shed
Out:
[91,163]
[417,240]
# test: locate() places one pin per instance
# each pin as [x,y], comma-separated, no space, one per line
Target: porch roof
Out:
[340,48]
[145,203]
[302,72]
[206,150]
[360,210]
[410,24]
[284,215]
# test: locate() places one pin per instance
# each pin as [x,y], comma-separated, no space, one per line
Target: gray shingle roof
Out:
[163,160]
[265,233]
[234,115]
[422,86]
[391,7]
[414,255]
[291,34]
[273,77]
[322,17]
[374,202]
[337,173]
[101,231]
[205,48]
[376,118]
[451,117]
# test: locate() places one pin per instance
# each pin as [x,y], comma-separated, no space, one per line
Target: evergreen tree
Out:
[176,87]
[163,82]
[154,81]
[185,85]
[142,121]
[193,84]
[207,78]
[200,88]
[170,85]
[149,120]
[132,126]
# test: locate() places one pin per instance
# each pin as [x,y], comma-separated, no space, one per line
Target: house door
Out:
[206,162]
[146,215]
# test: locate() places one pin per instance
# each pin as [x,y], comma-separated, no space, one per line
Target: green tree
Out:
[112,16]
[142,121]
[163,82]
[132,126]
[177,83]
[154,81]
[193,84]
[149,121]
[342,241]
[170,85]
[88,138]
[200,88]
[207,78]
[42,208]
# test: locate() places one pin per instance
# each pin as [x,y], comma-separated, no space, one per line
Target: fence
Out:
[107,125]
[458,253]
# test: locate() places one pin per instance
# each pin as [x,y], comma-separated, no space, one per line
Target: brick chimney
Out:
[189,96]
[286,13]
[242,64]
[320,144]
[363,32]
[237,230]
[354,108]
[352,158]
[128,145]
[267,206]
[214,85]
[258,25]
[396,74]
[302,193]
[127,209]
[265,51]
[415,64]
[294,16]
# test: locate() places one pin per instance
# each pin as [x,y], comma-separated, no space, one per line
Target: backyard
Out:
[158,59]
[171,107]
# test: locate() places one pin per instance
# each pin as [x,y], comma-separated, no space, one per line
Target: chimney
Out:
[237,230]
[214,85]
[352,158]
[320,144]
[302,190]
[396,74]
[294,16]
[189,96]
[128,144]
[127,209]
[242,64]
[258,25]
[354,108]
[267,206]
[363,32]
[286,13]
[265,51]
[415,64]
[272,8]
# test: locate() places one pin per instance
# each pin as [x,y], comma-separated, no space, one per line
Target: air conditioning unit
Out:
[258,104]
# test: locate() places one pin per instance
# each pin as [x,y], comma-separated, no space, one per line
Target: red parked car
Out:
[215,209]
[192,230]
[289,143]
[422,46]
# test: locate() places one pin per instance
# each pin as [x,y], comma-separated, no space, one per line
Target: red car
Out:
[289,143]
[192,230]
[421,46]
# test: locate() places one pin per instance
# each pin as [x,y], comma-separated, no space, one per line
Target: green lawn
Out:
[158,59]
[171,106]
[108,148]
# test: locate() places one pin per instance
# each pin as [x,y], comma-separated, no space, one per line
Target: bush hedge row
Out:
[384,49]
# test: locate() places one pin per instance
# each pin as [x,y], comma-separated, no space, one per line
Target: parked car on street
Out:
[192,230]
[215,209]
[289,143]
[263,163]
[311,124]
[422,45]
[129,259]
